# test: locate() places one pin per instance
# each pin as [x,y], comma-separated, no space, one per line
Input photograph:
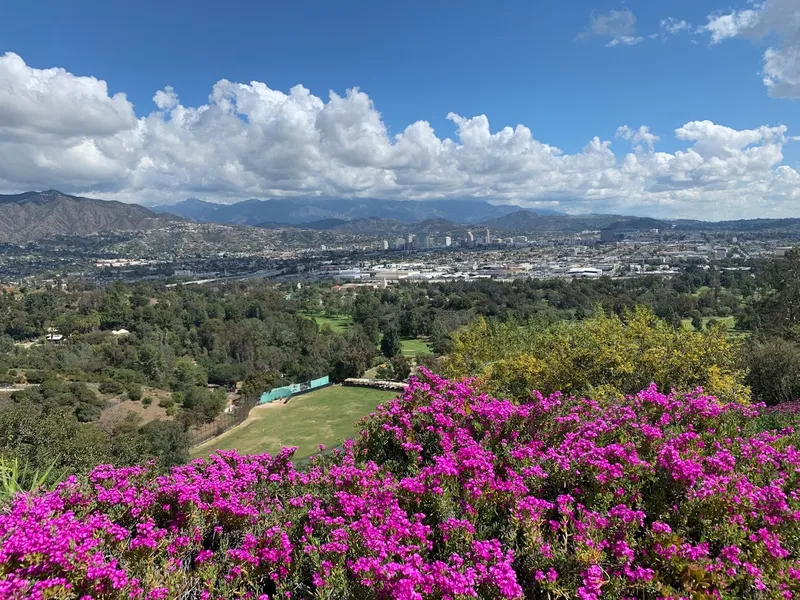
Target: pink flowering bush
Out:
[447,494]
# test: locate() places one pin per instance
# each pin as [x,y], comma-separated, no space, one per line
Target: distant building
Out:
[385,244]
[448,241]
[55,338]
[609,236]
[487,237]
[470,237]
[425,241]
[584,273]
[400,243]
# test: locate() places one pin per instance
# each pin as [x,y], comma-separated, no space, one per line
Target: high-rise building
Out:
[487,238]
[448,241]
[425,242]
[470,237]
[385,244]
[609,235]
[400,243]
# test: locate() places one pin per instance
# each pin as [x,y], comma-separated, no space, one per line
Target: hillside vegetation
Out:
[447,493]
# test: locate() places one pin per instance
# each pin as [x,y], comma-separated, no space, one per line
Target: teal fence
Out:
[291,390]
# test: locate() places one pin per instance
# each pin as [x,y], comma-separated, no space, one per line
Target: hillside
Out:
[36,215]
[302,211]
[526,221]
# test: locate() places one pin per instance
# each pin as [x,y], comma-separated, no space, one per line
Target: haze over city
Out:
[641,108]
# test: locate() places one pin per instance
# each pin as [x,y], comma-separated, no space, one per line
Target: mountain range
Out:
[303,211]
[37,215]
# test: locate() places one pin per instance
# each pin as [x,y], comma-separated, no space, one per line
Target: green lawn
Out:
[339,323]
[412,347]
[325,417]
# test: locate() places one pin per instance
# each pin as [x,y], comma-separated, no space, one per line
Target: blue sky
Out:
[538,64]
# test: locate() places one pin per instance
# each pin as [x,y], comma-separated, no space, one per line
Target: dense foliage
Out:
[447,493]
[599,355]
[178,339]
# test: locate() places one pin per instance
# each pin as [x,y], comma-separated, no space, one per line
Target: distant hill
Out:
[302,211]
[639,224]
[191,208]
[527,221]
[37,215]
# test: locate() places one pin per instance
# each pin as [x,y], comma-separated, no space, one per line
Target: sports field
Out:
[326,416]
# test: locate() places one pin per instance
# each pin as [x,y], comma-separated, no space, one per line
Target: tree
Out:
[773,370]
[607,352]
[390,344]
[187,373]
[151,361]
[401,367]
[227,374]
[697,322]
[168,441]
[780,306]
[258,382]
[202,405]
[353,355]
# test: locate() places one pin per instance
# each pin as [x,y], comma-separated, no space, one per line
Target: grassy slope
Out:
[325,417]
[339,324]
[412,347]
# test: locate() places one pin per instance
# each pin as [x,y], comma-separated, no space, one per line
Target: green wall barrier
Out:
[295,388]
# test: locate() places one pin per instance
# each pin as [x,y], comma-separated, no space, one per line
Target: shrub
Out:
[448,493]
[773,370]
[114,388]
[37,376]
[134,392]
[401,367]
[147,401]
[385,371]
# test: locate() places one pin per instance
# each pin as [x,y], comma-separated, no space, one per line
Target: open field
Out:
[326,416]
[339,323]
[412,347]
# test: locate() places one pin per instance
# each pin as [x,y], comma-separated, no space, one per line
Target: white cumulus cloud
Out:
[249,140]
[778,19]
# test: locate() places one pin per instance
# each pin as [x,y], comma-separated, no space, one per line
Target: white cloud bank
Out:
[61,130]
[777,19]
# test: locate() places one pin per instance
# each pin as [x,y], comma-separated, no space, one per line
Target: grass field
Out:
[729,321]
[339,324]
[412,347]
[325,417]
